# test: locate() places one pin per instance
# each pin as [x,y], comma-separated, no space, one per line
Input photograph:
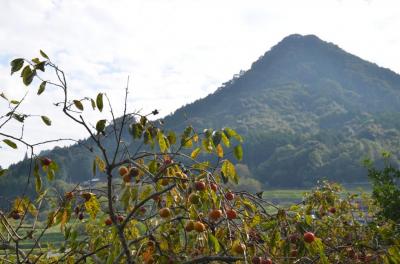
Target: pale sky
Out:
[174,51]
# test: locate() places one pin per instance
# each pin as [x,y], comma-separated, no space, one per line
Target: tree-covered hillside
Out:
[306,109]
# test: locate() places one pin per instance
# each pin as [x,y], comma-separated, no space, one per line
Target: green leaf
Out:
[224,178]
[187,131]
[36,60]
[308,220]
[42,86]
[324,259]
[202,165]
[78,104]
[238,152]
[53,166]
[125,198]
[3,172]
[27,75]
[38,180]
[171,137]
[50,174]
[94,168]
[143,120]
[46,120]
[195,153]
[93,103]
[26,70]
[216,138]
[101,125]
[99,102]
[19,118]
[229,132]
[3,96]
[16,65]
[153,167]
[228,169]
[136,130]
[40,66]
[44,55]
[28,78]
[206,143]
[161,141]
[207,133]
[14,102]
[146,192]
[147,137]
[213,243]
[249,206]
[10,143]
[394,254]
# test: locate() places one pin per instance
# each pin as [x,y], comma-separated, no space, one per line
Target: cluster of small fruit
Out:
[261,260]
[194,198]
[128,173]
[15,214]
[79,209]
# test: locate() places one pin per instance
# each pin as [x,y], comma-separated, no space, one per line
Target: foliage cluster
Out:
[386,189]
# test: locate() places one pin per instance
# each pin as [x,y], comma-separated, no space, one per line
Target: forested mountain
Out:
[306,109]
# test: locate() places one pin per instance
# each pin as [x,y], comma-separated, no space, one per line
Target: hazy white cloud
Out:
[174,51]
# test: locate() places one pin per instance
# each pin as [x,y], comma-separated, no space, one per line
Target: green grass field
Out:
[54,236]
[283,194]
[286,197]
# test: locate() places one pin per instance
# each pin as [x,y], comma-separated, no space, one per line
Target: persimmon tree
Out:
[167,200]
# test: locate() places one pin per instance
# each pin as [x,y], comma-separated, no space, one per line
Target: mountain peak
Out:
[296,48]
[301,41]
[299,37]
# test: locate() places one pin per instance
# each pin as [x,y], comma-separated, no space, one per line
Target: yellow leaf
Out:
[188,143]
[64,219]
[18,205]
[100,164]
[92,206]
[164,245]
[70,260]
[146,192]
[161,141]
[225,140]
[22,205]
[228,169]
[195,153]
[220,151]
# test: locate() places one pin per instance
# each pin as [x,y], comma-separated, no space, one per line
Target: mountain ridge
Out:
[293,41]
